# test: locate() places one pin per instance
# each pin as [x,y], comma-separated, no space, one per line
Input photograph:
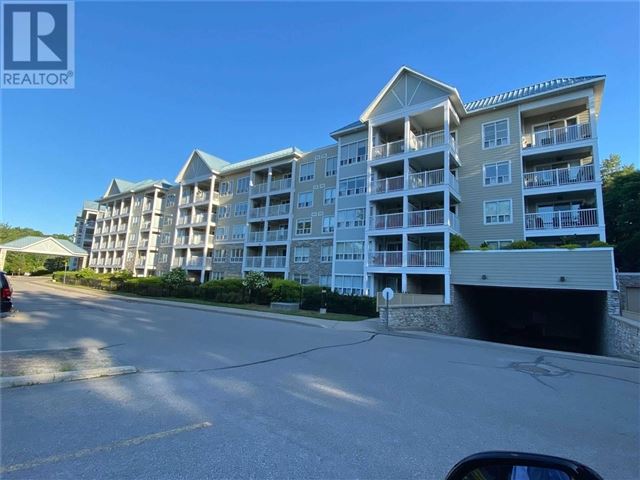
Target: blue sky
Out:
[155,80]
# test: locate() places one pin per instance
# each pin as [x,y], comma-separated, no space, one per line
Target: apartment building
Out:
[128,225]
[83,230]
[377,207]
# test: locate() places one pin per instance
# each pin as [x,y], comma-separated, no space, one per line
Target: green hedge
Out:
[285,291]
[230,290]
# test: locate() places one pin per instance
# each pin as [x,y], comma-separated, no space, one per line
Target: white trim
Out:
[298,206]
[496,162]
[508,134]
[300,180]
[537,250]
[484,209]
[499,241]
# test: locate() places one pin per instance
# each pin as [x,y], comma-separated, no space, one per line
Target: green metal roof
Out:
[30,245]
[214,163]
[269,157]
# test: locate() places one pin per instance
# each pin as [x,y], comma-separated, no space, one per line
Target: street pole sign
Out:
[387,294]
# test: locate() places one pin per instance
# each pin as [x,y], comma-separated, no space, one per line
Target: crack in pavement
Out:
[259,362]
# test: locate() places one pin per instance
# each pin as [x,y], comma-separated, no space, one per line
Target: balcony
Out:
[385,259]
[279,185]
[195,262]
[145,226]
[426,218]
[178,262]
[386,185]
[387,149]
[277,235]
[259,189]
[387,221]
[201,196]
[141,262]
[147,207]
[255,237]
[276,210]
[415,259]
[559,177]
[185,199]
[120,244]
[551,222]
[199,218]
[253,262]
[182,240]
[122,228]
[184,220]
[258,212]
[275,262]
[557,136]
[124,211]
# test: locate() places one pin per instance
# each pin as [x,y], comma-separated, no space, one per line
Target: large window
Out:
[164,258]
[171,200]
[351,218]
[240,209]
[495,134]
[355,152]
[165,239]
[219,255]
[497,211]
[497,173]
[327,224]
[243,185]
[331,166]
[326,253]
[303,227]
[301,255]
[237,232]
[224,211]
[168,220]
[307,171]
[352,186]
[325,280]
[226,188]
[305,199]
[329,196]
[350,251]
[236,255]
[348,284]
[221,233]
[498,244]
[301,278]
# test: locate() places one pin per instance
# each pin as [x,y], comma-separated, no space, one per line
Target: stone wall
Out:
[626,280]
[314,267]
[621,337]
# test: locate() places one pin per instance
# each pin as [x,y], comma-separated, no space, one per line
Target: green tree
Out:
[621,191]
[175,278]
[55,264]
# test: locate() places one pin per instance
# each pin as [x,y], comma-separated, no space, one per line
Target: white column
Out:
[403,287]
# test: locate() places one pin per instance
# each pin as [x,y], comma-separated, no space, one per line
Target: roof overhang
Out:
[45,246]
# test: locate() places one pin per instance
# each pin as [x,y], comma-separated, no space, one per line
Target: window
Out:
[165,239]
[326,253]
[351,218]
[495,134]
[226,188]
[132,238]
[353,153]
[129,255]
[240,209]
[164,258]
[330,167]
[237,232]
[327,224]
[236,255]
[301,278]
[305,199]
[498,244]
[243,185]
[221,233]
[352,186]
[168,220]
[135,220]
[301,255]
[329,196]
[171,200]
[325,280]
[303,227]
[350,251]
[307,171]
[217,275]
[498,211]
[224,211]
[497,173]
[138,201]
[348,284]
[219,255]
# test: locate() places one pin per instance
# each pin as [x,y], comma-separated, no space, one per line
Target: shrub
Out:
[522,245]
[230,290]
[175,278]
[255,283]
[598,244]
[457,243]
[570,246]
[285,291]
[484,246]
[352,304]
[312,297]
[147,286]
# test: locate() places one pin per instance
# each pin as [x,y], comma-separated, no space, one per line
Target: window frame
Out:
[496,163]
[308,177]
[484,211]
[297,258]
[330,228]
[495,140]
[326,258]
[240,182]
[499,242]
[332,199]
[306,204]
[304,220]
[334,171]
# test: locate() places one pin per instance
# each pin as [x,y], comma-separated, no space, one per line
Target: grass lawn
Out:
[343,317]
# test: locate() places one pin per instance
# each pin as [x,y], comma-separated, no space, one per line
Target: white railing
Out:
[282,209]
[200,218]
[253,262]
[182,240]
[143,243]
[425,258]
[146,225]
[124,211]
[426,140]
[277,235]
[387,149]
[111,245]
[454,183]
[146,207]
[391,184]
[259,188]
[141,262]
[281,184]
[584,217]
[184,220]
[255,237]
[195,262]
[208,261]
[385,259]
[387,221]
[197,240]
[122,228]
[275,262]
[178,262]
[201,197]
[185,199]
[120,244]
[559,176]
[557,136]
[426,218]
[454,221]
[257,212]
[101,261]
[425,179]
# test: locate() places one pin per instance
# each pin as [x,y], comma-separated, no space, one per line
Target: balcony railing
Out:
[387,149]
[280,184]
[201,197]
[275,262]
[122,228]
[184,220]
[182,240]
[141,262]
[557,136]
[124,211]
[146,226]
[120,244]
[199,218]
[277,235]
[259,188]
[426,140]
[385,259]
[425,258]
[147,207]
[257,212]
[425,179]
[178,262]
[426,218]
[387,221]
[579,218]
[391,184]
[253,262]
[255,237]
[185,199]
[559,177]
[275,210]
[195,262]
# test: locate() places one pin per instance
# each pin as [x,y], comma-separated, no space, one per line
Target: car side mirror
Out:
[519,466]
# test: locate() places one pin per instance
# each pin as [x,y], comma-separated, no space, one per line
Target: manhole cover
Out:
[538,369]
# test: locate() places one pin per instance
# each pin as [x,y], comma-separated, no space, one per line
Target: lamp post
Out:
[323,301]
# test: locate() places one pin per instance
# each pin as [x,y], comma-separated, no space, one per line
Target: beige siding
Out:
[472,189]
[407,90]
[583,269]
[581,112]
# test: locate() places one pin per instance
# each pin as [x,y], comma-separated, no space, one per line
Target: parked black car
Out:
[5,294]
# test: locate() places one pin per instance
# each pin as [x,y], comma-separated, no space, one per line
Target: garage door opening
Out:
[566,320]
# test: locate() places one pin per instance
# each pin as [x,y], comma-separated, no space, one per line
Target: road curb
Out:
[42,378]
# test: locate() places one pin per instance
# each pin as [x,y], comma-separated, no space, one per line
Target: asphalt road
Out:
[233,396]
